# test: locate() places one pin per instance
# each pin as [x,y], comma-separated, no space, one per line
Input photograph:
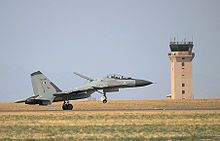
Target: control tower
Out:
[181,57]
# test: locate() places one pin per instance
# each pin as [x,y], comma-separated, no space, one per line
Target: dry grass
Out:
[136,104]
[154,125]
[118,125]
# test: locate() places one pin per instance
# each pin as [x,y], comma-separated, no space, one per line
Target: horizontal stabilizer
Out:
[20,101]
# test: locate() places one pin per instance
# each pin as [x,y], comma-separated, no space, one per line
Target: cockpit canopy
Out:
[117,76]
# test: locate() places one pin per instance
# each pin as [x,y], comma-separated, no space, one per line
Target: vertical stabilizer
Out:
[43,87]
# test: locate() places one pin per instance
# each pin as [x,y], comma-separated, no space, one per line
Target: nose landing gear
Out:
[105,101]
[104,98]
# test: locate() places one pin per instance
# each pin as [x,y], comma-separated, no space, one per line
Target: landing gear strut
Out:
[67,106]
[104,99]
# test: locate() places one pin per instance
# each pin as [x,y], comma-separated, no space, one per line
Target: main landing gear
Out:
[67,106]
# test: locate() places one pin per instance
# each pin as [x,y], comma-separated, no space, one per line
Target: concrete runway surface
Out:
[107,110]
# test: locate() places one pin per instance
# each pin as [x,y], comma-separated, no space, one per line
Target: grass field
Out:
[157,125]
[109,125]
[132,104]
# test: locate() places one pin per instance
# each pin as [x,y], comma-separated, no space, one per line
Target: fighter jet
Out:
[46,92]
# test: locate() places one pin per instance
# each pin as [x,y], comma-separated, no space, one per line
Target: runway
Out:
[119,106]
[106,110]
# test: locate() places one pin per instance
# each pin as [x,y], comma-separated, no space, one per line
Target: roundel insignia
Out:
[124,82]
[43,82]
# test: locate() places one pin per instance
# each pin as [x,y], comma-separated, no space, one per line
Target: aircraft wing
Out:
[73,94]
[64,93]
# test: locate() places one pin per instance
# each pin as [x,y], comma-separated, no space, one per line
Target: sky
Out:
[100,37]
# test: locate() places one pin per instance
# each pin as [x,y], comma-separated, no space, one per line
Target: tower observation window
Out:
[183,91]
[183,84]
[183,64]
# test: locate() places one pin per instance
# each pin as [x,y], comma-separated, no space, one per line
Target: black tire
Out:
[105,101]
[64,107]
[69,106]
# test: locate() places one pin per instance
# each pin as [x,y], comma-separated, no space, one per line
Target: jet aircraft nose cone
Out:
[142,83]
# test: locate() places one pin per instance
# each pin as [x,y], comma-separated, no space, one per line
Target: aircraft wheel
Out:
[64,107]
[105,101]
[69,107]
